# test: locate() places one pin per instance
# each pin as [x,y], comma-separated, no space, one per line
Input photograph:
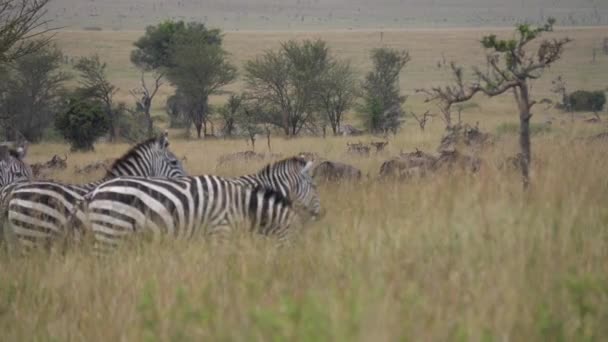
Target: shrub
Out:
[83,122]
[130,124]
[591,101]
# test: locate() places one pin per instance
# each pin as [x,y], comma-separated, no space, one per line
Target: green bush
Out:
[587,101]
[131,127]
[82,123]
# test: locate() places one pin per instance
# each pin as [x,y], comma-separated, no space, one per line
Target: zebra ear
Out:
[163,139]
[307,168]
[21,152]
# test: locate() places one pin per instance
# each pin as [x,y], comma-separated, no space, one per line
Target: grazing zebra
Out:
[39,212]
[12,167]
[181,207]
[292,178]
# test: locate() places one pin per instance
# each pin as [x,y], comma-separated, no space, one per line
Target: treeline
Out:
[299,87]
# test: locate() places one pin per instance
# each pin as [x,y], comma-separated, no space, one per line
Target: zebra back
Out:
[292,178]
[179,208]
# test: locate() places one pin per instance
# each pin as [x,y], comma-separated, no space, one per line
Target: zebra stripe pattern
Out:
[291,177]
[39,212]
[12,167]
[179,208]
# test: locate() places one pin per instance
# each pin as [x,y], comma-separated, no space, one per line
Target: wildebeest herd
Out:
[147,190]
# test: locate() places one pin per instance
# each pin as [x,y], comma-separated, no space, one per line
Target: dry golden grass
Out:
[456,257]
[427,46]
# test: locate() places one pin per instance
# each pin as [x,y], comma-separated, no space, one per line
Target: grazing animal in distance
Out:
[336,172]
[407,165]
[379,146]
[240,156]
[358,149]
[55,163]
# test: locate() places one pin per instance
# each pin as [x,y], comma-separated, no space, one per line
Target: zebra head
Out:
[306,192]
[293,177]
[151,158]
[12,167]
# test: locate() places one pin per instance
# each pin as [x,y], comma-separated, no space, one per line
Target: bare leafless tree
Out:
[445,96]
[423,119]
[144,96]
[21,20]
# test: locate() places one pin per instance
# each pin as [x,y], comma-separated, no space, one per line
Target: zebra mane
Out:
[296,161]
[14,153]
[132,152]
[271,192]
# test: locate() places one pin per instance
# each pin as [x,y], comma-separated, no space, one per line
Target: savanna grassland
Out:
[447,257]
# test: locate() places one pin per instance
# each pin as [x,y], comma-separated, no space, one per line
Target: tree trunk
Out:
[524,144]
[286,123]
[113,125]
[523,99]
[198,126]
[150,124]
[294,128]
[335,126]
[268,140]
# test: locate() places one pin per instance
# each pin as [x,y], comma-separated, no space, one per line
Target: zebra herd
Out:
[148,190]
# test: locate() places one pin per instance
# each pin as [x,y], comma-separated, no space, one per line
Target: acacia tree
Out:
[153,55]
[20,21]
[199,68]
[381,110]
[94,84]
[144,94]
[511,67]
[448,95]
[288,80]
[229,113]
[337,93]
[32,90]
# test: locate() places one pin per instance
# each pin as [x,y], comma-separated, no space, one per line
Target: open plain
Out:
[446,257]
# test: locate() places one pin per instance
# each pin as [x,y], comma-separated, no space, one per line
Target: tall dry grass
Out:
[452,257]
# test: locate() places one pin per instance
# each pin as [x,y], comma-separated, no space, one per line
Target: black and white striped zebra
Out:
[180,208]
[12,167]
[41,212]
[292,178]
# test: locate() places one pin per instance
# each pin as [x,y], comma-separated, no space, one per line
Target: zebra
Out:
[12,167]
[40,212]
[181,207]
[291,177]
